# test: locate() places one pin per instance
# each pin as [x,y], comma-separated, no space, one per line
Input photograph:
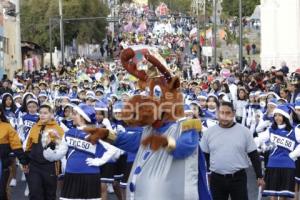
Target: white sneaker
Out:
[26,192]
[23,177]
[13,183]
[110,188]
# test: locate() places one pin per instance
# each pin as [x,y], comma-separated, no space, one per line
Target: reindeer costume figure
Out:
[168,164]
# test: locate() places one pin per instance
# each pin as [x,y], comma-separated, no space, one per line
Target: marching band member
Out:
[82,173]
[268,117]
[280,172]
[202,97]
[9,108]
[250,114]
[212,105]
[28,119]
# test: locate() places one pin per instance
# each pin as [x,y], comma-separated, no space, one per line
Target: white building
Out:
[280,33]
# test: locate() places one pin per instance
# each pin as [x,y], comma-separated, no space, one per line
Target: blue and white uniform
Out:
[284,149]
[79,150]
[25,124]
[210,119]
[11,117]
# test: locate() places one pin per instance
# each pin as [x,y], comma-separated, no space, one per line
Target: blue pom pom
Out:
[131,187]
[137,170]
[146,155]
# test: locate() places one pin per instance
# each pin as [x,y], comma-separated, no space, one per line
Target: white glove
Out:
[295,154]
[117,155]
[120,128]
[110,153]
[95,162]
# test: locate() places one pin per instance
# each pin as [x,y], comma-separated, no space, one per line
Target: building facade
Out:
[10,46]
[280,33]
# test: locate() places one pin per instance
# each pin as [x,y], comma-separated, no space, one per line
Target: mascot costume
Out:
[169,164]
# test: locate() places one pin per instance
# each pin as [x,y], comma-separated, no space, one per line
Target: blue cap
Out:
[86,111]
[32,100]
[75,100]
[273,101]
[100,106]
[252,94]
[187,109]
[202,95]
[118,106]
[274,94]
[63,96]
[262,94]
[195,103]
[212,95]
[7,94]
[283,110]
[17,96]
[99,90]
[43,94]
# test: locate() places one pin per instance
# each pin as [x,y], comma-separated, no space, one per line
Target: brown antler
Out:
[156,63]
[126,56]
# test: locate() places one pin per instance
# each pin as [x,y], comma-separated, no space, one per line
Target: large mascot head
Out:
[161,100]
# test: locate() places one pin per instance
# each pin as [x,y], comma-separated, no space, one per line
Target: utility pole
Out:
[50,40]
[113,15]
[198,31]
[61,23]
[241,36]
[215,32]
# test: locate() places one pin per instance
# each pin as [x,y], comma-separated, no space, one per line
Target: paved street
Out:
[18,192]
